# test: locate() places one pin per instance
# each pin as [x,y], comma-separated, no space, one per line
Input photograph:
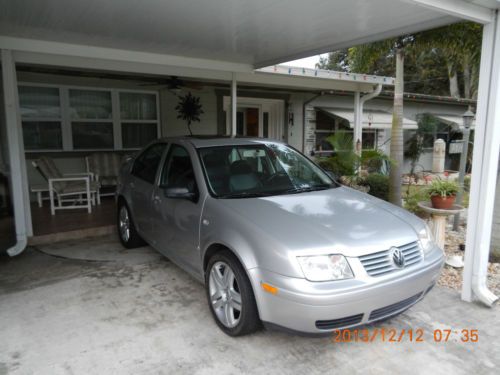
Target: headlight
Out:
[325,267]
[426,239]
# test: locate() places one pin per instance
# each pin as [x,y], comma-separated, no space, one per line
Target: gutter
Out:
[18,248]
[358,115]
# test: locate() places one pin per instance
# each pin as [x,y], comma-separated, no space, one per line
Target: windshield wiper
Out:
[306,189]
[243,195]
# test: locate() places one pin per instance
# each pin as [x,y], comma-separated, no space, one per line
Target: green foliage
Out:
[413,197]
[345,161]
[431,58]
[189,109]
[443,188]
[373,160]
[467,183]
[379,185]
[337,61]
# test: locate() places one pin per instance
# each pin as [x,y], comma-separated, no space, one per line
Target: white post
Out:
[234,108]
[484,170]
[358,123]
[18,176]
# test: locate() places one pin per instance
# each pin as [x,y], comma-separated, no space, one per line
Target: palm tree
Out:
[361,58]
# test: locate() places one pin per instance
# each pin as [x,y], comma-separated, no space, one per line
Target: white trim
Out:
[118,55]
[461,9]
[17,161]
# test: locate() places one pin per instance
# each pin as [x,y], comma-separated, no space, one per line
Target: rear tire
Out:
[230,295]
[126,228]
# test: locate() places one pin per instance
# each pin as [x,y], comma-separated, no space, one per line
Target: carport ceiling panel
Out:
[257,32]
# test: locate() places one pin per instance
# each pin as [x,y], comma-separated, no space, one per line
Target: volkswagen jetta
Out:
[273,238]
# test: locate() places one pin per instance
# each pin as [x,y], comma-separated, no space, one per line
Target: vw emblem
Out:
[397,257]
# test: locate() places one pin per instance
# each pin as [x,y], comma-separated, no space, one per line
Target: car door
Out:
[144,172]
[176,221]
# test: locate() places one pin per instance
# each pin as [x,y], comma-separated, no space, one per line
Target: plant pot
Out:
[443,203]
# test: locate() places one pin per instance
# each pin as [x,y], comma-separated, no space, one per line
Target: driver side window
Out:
[178,170]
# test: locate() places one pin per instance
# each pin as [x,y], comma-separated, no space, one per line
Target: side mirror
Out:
[179,193]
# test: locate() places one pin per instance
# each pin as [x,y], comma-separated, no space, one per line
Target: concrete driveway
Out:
[134,312]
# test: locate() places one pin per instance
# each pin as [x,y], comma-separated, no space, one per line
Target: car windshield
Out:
[264,169]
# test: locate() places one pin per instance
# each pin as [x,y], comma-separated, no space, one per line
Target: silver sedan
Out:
[274,239]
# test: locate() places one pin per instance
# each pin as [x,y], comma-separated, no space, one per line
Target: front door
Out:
[176,222]
[248,122]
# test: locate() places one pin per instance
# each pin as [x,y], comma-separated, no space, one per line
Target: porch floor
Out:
[71,224]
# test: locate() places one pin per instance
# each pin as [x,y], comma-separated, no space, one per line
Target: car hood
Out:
[341,220]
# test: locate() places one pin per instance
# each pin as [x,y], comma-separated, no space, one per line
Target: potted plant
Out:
[443,193]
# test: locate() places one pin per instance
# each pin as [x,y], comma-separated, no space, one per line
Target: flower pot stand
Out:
[438,217]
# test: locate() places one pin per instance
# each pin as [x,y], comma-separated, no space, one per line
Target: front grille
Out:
[396,307]
[341,322]
[380,263]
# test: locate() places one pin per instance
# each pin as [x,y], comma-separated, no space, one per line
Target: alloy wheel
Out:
[124,224]
[225,294]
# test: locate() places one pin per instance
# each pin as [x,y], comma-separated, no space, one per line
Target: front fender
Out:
[253,246]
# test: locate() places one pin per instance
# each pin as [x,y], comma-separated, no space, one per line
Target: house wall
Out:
[72,161]
[172,126]
[411,110]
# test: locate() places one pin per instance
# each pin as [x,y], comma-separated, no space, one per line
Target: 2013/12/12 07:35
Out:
[393,335]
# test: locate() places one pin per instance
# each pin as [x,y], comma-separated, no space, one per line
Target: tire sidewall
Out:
[246,323]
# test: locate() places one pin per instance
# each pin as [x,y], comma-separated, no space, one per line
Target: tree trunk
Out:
[467,77]
[452,76]
[397,133]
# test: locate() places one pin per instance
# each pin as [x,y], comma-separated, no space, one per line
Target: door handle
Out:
[156,199]
[132,185]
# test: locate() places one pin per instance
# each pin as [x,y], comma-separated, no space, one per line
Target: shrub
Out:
[379,185]
[412,199]
[467,183]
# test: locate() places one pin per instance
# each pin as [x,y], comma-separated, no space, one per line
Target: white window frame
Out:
[66,120]
[118,132]
[59,119]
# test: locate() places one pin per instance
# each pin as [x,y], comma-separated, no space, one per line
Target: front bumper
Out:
[320,307]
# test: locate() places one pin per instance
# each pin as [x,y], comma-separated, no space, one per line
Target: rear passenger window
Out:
[146,164]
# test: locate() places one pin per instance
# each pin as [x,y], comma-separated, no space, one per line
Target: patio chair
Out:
[105,166]
[77,188]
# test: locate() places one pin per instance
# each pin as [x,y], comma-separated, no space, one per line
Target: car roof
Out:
[211,141]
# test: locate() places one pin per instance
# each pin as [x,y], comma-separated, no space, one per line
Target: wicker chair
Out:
[78,189]
[105,166]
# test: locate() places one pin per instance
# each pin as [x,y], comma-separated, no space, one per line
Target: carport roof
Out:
[250,34]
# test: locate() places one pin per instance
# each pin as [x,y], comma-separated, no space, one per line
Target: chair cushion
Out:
[106,165]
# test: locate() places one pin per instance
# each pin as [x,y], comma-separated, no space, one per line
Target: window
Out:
[91,115]
[370,137]
[146,164]
[139,119]
[41,117]
[178,171]
[72,118]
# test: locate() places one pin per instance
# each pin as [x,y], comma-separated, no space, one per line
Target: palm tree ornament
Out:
[189,109]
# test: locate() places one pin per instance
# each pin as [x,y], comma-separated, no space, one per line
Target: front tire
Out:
[126,228]
[230,295]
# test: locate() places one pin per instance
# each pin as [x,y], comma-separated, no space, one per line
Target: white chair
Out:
[77,189]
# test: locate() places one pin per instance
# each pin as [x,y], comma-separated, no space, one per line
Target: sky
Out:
[308,62]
